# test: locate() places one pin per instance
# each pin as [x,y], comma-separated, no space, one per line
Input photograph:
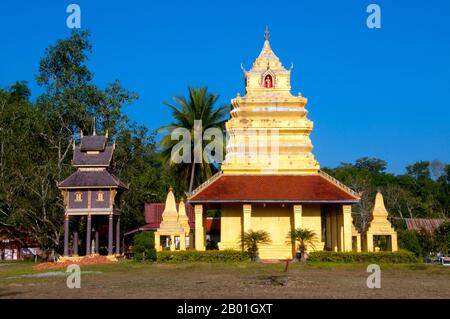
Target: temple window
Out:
[100,197]
[268,81]
[78,197]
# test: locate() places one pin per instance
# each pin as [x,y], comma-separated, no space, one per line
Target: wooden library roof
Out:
[83,158]
[93,179]
[93,142]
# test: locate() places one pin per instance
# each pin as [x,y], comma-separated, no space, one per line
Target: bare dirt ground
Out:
[244,280]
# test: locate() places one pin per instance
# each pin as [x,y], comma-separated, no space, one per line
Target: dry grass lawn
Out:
[128,279]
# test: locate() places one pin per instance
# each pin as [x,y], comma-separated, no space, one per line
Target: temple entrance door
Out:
[177,242]
[380,242]
[354,243]
[165,242]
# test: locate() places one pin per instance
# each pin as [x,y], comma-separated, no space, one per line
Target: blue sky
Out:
[372,92]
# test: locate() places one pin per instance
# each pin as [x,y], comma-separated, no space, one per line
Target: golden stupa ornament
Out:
[170,233]
[379,226]
[183,219]
[268,130]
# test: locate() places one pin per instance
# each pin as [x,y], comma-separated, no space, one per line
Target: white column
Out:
[297,216]
[182,242]
[394,246]
[358,243]
[172,243]
[199,229]
[247,217]
[157,241]
[369,242]
[347,227]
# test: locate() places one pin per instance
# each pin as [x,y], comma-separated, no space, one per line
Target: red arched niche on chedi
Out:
[268,81]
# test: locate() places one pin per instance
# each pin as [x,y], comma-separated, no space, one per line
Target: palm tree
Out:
[303,237]
[199,105]
[251,239]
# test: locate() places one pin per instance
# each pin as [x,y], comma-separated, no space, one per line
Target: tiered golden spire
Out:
[379,210]
[170,214]
[183,218]
[268,108]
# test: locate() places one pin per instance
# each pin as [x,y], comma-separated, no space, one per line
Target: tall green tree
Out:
[36,142]
[419,170]
[199,105]
[371,165]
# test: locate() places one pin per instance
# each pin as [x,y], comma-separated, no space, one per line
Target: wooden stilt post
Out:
[97,244]
[118,236]
[66,235]
[88,234]
[75,243]
[110,235]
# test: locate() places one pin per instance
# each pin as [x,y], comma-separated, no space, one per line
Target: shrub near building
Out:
[399,257]
[202,256]
[425,242]
[144,246]
[409,240]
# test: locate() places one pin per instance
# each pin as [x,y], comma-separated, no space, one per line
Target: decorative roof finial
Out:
[267,33]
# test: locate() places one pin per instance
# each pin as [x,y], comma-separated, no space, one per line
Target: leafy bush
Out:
[427,242]
[442,236]
[144,246]
[251,240]
[304,237]
[211,245]
[409,240]
[202,256]
[400,257]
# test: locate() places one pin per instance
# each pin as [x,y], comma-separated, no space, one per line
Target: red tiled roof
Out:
[212,225]
[272,188]
[419,224]
[153,214]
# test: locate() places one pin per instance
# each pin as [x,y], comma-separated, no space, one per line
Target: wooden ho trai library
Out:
[260,191]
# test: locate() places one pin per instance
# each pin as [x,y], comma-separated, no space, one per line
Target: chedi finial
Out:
[267,33]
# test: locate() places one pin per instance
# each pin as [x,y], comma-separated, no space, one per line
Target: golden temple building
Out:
[270,179]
